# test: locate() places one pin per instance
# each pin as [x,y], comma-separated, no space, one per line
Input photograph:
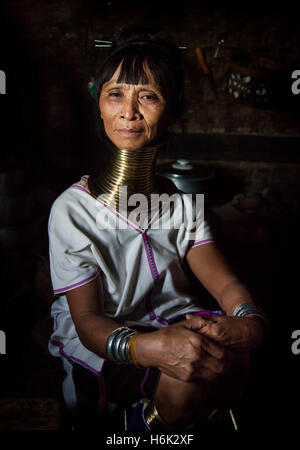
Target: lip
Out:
[128,131]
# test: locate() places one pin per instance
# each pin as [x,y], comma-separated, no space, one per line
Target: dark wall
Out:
[48,140]
[51,48]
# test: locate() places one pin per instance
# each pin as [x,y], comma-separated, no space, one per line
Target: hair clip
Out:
[107,44]
[101,43]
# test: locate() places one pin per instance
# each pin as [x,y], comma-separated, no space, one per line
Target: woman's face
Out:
[133,115]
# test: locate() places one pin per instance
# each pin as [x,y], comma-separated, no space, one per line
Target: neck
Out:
[134,169]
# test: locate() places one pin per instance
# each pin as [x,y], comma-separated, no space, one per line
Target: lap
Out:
[126,384]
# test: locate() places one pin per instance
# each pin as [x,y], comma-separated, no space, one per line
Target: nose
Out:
[130,109]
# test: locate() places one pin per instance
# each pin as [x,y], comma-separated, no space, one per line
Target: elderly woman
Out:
[126,324]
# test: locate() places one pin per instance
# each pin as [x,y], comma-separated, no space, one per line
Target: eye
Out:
[114,94]
[149,97]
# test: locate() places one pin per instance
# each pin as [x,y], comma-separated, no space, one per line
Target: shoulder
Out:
[73,202]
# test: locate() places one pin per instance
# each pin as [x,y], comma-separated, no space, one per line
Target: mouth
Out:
[129,132]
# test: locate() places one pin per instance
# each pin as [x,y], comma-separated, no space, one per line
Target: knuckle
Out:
[196,340]
[216,330]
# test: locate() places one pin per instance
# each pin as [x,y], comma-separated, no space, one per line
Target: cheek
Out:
[156,121]
[154,117]
[106,117]
[107,110]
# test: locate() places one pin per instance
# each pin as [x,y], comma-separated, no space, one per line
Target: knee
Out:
[178,401]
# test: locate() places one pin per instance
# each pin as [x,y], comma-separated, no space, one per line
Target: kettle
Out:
[187,178]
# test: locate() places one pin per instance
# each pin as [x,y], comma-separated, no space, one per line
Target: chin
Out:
[131,145]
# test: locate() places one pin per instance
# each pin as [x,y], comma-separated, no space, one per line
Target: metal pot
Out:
[186,177]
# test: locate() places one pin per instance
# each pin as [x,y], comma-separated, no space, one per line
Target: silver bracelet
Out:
[120,345]
[117,345]
[250,310]
[124,348]
[109,342]
[245,309]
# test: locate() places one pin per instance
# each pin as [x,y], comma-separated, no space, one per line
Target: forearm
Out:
[93,330]
[212,270]
[233,294]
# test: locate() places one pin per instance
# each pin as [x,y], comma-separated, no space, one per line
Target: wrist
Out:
[256,330]
[147,348]
[140,350]
[257,322]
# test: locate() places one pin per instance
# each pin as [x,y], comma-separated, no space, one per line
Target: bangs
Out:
[137,62]
[133,70]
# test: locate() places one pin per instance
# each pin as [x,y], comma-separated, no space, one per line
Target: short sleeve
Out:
[197,227]
[72,263]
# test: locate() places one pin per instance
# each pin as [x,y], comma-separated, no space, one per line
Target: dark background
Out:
[49,139]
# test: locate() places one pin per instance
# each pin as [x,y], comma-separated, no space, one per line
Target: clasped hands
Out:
[199,347]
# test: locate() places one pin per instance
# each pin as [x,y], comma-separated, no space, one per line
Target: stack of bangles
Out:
[250,310]
[119,346]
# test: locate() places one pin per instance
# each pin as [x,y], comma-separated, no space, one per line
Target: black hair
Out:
[137,49]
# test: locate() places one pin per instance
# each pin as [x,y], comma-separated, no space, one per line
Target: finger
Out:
[212,366]
[214,330]
[218,330]
[213,348]
[194,323]
[204,317]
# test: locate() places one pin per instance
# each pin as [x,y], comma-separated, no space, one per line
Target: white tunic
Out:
[141,268]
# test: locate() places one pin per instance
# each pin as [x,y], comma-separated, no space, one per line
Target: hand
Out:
[182,353]
[236,332]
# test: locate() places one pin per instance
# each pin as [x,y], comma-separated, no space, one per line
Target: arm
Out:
[210,267]
[86,308]
[175,350]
